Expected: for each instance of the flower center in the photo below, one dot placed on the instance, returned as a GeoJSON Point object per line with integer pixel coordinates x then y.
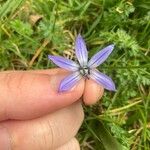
{"type": "Point", "coordinates": [84, 71]}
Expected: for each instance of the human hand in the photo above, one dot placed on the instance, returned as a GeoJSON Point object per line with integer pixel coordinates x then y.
{"type": "Point", "coordinates": [34, 116]}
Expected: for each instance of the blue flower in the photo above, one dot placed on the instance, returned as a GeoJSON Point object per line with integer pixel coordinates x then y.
{"type": "Point", "coordinates": [84, 68]}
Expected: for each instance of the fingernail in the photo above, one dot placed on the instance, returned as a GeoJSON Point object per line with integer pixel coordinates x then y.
{"type": "Point", "coordinates": [4, 139]}
{"type": "Point", "coordinates": [55, 81]}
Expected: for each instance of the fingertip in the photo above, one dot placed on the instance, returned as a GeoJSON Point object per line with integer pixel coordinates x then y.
{"type": "Point", "coordinates": [92, 92]}
{"type": "Point", "coordinates": [74, 94]}
{"type": "Point", "coordinates": [59, 99]}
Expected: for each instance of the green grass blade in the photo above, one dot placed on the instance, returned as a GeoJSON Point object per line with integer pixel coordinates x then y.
{"type": "Point", "coordinates": [9, 6]}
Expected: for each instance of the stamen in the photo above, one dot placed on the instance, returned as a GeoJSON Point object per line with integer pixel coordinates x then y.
{"type": "Point", "coordinates": [84, 71]}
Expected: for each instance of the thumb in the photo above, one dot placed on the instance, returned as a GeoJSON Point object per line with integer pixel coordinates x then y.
{"type": "Point", "coordinates": [26, 95]}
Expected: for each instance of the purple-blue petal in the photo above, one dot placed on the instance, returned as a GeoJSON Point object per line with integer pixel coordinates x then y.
{"type": "Point", "coordinates": [103, 80]}
{"type": "Point", "coordinates": [81, 50]}
{"type": "Point", "coordinates": [100, 57]}
{"type": "Point", "coordinates": [68, 82]}
{"type": "Point", "coordinates": [64, 63]}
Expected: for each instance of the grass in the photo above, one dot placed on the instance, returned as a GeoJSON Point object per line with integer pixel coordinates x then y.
{"type": "Point", "coordinates": [32, 29]}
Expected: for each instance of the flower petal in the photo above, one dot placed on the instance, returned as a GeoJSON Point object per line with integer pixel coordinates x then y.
{"type": "Point", "coordinates": [100, 57]}
{"type": "Point", "coordinates": [81, 50]}
{"type": "Point", "coordinates": [68, 82]}
{"type": "Point", "coordinates": [64, 62]}
{"type": "Point", "coordinates": [103, 80]}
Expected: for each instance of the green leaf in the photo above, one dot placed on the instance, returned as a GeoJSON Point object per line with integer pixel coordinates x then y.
{"type": "Point", "coordinates": [102, 135]}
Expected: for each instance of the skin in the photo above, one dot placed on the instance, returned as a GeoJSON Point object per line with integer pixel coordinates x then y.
{"type": "Point", "coordinates": [34, 116]}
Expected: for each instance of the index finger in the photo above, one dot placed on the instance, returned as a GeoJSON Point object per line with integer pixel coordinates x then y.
{"type": "Point", "coordinates": [26, 95]}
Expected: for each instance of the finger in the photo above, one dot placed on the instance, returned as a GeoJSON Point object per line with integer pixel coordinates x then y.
{"type": "Point", "coordinates": [26, 95]}
{"type": "Point", "coordinates": [45, 133]}
{"type": "Point", "coordinates": [92, 92]}
{"type": "Point", "coordinates": [73, 144]}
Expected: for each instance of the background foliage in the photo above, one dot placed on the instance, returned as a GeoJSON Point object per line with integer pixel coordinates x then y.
{"type": "Point", "coordinates": [32, 29]}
